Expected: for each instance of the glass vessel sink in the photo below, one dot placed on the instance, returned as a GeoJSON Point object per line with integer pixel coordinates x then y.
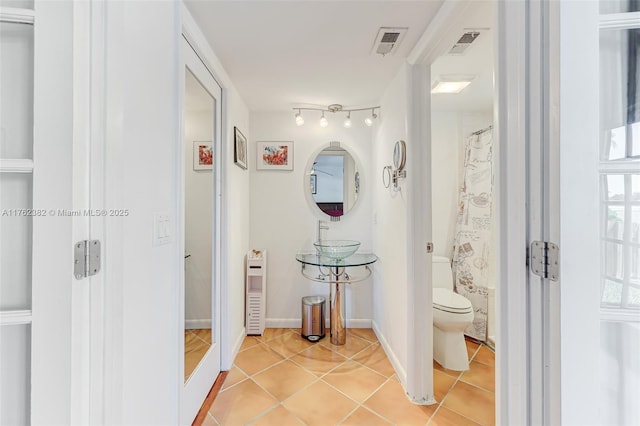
{"type": "Point", "coordinates": [336, 249]}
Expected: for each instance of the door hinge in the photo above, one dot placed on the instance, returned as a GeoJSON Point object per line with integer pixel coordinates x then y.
{"type": "Point", "coordinates": [86, 258]}
{"type": "Point", "coordinates": [544, 260]}
{"type": "Point", "coordinates": [429, 247]}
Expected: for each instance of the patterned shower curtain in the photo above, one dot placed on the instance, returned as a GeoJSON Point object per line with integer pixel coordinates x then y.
{"type": "Point", "coordinates": [473, 231]}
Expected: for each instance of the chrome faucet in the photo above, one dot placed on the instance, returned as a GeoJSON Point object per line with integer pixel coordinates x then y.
{"type": "Point", "coordinates": [321, 226]}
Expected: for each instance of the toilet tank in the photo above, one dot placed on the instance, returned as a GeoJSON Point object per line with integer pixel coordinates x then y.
{"type": "Point", "coordinates": [442, 275]}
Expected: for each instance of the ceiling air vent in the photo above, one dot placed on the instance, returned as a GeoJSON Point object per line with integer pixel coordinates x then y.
{"type": "Point", "coordinates": [388, 40]}
{"type": "Point", "coordinates": [464, 42]}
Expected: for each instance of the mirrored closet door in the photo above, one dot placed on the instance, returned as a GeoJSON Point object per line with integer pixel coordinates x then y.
{"type": "Point", "coordinates": [200, 153]}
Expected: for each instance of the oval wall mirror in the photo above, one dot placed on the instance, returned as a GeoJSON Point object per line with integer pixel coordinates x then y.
{"type": "Point", "coordinates": [333, 181]}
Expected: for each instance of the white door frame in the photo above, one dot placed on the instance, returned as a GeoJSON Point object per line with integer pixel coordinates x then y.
{"type": "Point", "coordinates": [512, 381]}
{"type": "Point", "coordinates": [67, 340]}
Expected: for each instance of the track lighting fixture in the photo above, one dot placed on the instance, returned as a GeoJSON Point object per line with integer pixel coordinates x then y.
{"type": "Point", "coordinates": [369, 120]}
{"type": "Point", "coordinates": [333, 108]}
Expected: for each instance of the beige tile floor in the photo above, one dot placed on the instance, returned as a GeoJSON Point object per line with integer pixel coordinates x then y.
{"type": "Point", "coordinates": [281, 379]}
{"type": "Point", "coordinates": [196, 343]}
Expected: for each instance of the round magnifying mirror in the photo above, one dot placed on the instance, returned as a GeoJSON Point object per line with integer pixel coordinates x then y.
{"type": "Point", "coordinates": [333, 181]}
{"type": "Point", "coordinates": [399, 155]}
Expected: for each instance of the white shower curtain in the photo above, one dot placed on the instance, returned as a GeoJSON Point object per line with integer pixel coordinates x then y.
{"type": "Point", "coordinates": [473, 231]}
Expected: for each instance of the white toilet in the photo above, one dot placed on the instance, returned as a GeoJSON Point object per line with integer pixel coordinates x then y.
{"type": "Point", "coordinates": [452, 314]}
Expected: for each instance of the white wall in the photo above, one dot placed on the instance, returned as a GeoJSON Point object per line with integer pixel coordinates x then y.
{"type": "Point", "coordinates": [236, 211]}
{"type": "Point", "coordinates": [390, 226]}
{"type": "Point", "coordinates": [446, 162]}
{"type": "Point", "coordinates": [142, 279]}
{"type": "Point", "coordinates": [198, 190]}
{"type": "Point", "coordinates": [449, 132]}
{"type": "Point", "coordinates": [283, 223]}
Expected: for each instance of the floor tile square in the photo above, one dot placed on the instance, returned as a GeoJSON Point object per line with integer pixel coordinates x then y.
{"type": "Point", "coordinates": [446, 417]}
{"type": "Point", "coordinates": [241, 403]}
{"type": "Point", "coordinates": [352, 346]}
{"type": "Point", "coordinates": [375, 358]}
{"type": "Point", "coordinates": [248, 342]}
{"type": "Point", "coordinates": [235, 376]}
{"type": "Point", "coordinates": [355, 380]}
{"type": "Point", "coordinates": [364, 417]}
{"type": "Point", "coordinates": [452, 373]}
{"type": "Point", "coordinates": [209, 421]}
{"type": "Point", "coordinates": [203, 333]}
{"type": "Point", "coordinates": [270, 333]}
{"type": "Point", "coordinates": [320, 404]}
{"type": "Point", "coordinates": [195, 349]}
{"type": "Point", "coordinates": [442, 384]}
{"type": "Point", "coordinates": [279, 416]}
{"type": "Point", "coordinates": [474, 403]}
{"type": "Point", "coordinates": [257, 358]}
{"type": "Point", "coordinates": [472, 347]}
{"type": "Point", "coordinates": [289, 344]}
{"type": "Point", "coordinates": [363, 333]}
{"type": "Point", "coordinates": [485, 356]}
{"type": "Point", "coordinates": [318, 359]}
{"type": "Point", "coordinates": [480, 375]}
{"type": "Point", "coordinates": [391, 403]}
{"type": "Point", "coordinates": [284, 379]}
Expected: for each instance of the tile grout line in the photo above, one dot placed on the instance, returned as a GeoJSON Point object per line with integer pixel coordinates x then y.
{"type": "Point", "coordinates": [459, 379]}
{"type": "Point", "coordinates": [374, 392]}
{"type": "Point", "coordinates": [316, 380]}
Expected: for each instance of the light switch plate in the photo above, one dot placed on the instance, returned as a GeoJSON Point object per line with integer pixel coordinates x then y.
{"type": "Point", "coordinates": [161, 229]}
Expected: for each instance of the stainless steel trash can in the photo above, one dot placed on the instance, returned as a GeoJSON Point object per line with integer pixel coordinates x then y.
{"type": "Point", "coordinates": [313, 318]}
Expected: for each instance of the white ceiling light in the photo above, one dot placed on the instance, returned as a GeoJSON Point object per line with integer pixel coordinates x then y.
{"type": "Point", "coordinates": [347, 121]}
{"type": "Point", "coordinates": [369, 120]}
{"type": "Point", "coordinates": [323, 121]}
{"type": "Point", "coordinates": [451, 84]}
{"type": "Point", "coordinates": [334, 108]}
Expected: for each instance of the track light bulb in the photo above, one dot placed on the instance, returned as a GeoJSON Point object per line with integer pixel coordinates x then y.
{"type": "Point", "coordinates": [299, 119]}
{"type": "Point", "coordinates": [369, 120]}
{"type": "Point", "coordinates": [347, 121]}
{"type": "Point", "coordinates": [323, 121]}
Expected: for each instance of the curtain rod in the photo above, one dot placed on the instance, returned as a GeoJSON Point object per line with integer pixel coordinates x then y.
{"type": "Point", "coordinates": [479, 132]}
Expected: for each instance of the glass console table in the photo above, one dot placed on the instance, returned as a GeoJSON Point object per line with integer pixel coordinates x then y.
{"type": "Point", "coordinates": [333, 271]}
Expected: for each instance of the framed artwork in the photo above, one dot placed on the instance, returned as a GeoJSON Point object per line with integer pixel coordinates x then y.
{"type": "Point", "coordinates": [313, 180]}
{"type": "Point", "coordinates": [239, 149]}
{"type": "Point", "coordinates": [203, 155]}
{"type": "Point", "coordinates": [274, 156]}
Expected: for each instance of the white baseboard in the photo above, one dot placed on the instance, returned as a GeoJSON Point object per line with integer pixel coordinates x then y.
{"type": "Point", "coordinates": [297, 323]}
{"type": "Point", "coordinates": [236, 347]}
{"type": "Point", "coordinates": [197, 324]}
{"type": "Point", "coordinates": [400, 371]}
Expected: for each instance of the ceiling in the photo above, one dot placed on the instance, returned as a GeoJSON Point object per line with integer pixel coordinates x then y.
{"type": "Point", "coordinates": [477, 60]}
{"type": "Point", "coordinates": [285, 54]}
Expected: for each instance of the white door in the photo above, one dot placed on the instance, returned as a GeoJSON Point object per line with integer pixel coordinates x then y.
{"type": "Point", "coordinates": [44, 187]}
{"type": "Point", "coordinates": [599, 183]}
{"type": "Point", "coordinates": [201, 232]}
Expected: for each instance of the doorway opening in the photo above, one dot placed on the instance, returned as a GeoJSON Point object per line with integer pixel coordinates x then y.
{"type": "Point", "coordinates": [464, 216]}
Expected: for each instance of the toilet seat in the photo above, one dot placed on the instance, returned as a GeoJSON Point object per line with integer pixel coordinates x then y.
{"type": "Point", "coordinates": [447, 301]}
